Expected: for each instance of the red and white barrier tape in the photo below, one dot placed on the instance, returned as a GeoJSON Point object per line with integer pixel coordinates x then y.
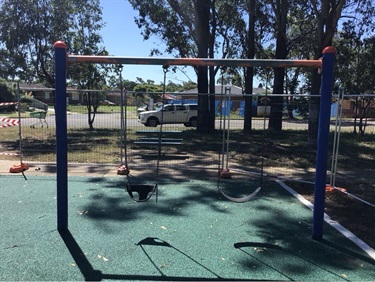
{"type": "Point", "coordinates": [9, 154]}
{"type": "Point", "coordinates": [9, 122]}
{"type": "Point", "coordinates": [8, 103]}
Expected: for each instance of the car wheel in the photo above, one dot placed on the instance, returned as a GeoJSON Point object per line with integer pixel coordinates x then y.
{"type": "Point", "coordinates": [187, 124]}
{"type": "Point", "coordinates": [153, 122]}
{"type": "Point", "coordinates": [193, 122]}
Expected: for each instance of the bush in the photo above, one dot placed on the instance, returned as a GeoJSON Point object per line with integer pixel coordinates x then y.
{"type": "Point", "coordinates": [6, 93]}
{"type": "Point", "coordinates": [27, 98]}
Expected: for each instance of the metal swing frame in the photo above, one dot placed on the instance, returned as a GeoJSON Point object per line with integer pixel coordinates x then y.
{"type": "Point", "coordinates": [326, 66]}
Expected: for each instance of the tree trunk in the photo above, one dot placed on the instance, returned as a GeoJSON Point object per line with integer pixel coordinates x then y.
{"type": "Point", "coordinates": [89, 112]}
{"type": "Point", "coordinates": [327, 18]}
{"type": "Point", "coordinates": [247, 127]}
{"type": "Point", "coordinates": [211, 97]}
{"type": "Point", "coordinates": [314, 105]}
{"type": "Point", "coordinates": [249, 81]}
{"type": "Point", "coordinates": [276, 114]}
{"type": "Point", "coordinates": [211, 101]}
{"type": "Point", "coordinates": [202, 14]}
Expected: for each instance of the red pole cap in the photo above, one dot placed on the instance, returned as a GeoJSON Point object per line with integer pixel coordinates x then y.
{"type": "Point", "coordinates": [329, 50]}
{"type": "Point", "coordinates": [59, 44]}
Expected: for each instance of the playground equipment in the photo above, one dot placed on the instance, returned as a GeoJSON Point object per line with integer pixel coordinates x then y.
{"type": "Point", "coordinates": [123, 169]}
{"type": "Point", "coordinates": [325, 64]}
{"type": "Point", "coordinates": [223, 167]}
{"type": "Point", "coordinates": [145, 191]}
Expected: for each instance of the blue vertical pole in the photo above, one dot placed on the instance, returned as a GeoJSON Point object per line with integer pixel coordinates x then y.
{"type": "Point", "coordinates": [329, 55]}
{"type": "Point", "coordinates": [61, 136]}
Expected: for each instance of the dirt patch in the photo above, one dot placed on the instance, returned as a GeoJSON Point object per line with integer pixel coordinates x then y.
{"type": "Point", "coordinates": [355, 215]}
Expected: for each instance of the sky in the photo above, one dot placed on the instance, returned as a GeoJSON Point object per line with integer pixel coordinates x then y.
{"type": "Point", "coordinates": [122, 37]}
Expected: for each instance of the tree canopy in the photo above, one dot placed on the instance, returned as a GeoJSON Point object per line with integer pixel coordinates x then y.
{"type": "Point", "coordinates": [280, 29]}
{"type": "Point", "coordinates": [270, 29]}
{"type": "Point", "coordinates": [28, 30]}
{"type": "Point", "coordinates": [6, 93]}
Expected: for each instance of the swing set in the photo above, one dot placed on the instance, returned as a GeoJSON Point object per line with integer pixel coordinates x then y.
{"type": "Point", "coordinates": [144, 191]}
{"type": "Point", "coordinates": [223, 160]}
{"type": "Point", "coordinates": [326, 65]}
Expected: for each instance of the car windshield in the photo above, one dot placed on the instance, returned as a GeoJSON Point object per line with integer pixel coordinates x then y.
{"type": "Point", "coordinates": [159, 108]}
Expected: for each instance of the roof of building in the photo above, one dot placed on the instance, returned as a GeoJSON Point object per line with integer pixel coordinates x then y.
{"type": "Point", "coordinates": [39, 87]}
{"type": "Point", "coordinates": [234, 90]}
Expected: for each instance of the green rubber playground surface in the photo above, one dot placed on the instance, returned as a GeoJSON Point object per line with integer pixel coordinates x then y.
{"type": "Point", "coordinates": [190, 233]}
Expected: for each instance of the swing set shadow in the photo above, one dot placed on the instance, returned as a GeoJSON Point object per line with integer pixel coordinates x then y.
{"type": "Point", "coordinates": [91, 274]}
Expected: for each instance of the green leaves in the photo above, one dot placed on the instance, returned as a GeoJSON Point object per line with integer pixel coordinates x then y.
{"type": "Point", "coordinates": [28, 30]}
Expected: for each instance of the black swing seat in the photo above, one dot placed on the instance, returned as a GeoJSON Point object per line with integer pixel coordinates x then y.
{"type": "Point", "coordinates": [155, 139]}
{"type": "Point", "coordinates": [163, 143]}
{"type": "Point", "coordinates": [143, 191]}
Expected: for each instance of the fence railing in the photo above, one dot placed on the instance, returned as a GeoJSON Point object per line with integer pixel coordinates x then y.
{"type": "Point", "coordinates": [286, 153]}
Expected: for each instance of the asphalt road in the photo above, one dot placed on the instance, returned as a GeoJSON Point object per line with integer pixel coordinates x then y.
{"type": "Point", "coordinates": [112, 120]}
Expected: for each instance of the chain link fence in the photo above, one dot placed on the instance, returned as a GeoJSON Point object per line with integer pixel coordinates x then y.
{"type": "Point", "coordinates": [97, 143]}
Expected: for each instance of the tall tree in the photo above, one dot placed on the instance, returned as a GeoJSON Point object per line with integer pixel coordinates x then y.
{"type": "Point", "coordinates": [354, 71]}
{"type": "Point", "coordinates": [327, 13]}
{"type": "Point", "coordinates": [280, 10]}
{"type": "Point", "coordinates": [241, 28]}
{"type": "Point", "coordinates": [184, 28]}
{"type": "Point", "coordinates": [211, 54]}
{"type": "Point", "coordinates": [92, 78]}
{"type": "Point", "coordinates": [355, 46]}
{"type": "Point", "coordinates": [249, 73]}
{"type": "Point", "coordinates": [86, 42]}
{"type": "Point", "coordinates": [28, 30]}
{"type": "Point", "coordinates": [6, 93]}
{"type": "Point", "coordinates": [206, 28]}
{"type": "Point", "coordinates": [202, 17]}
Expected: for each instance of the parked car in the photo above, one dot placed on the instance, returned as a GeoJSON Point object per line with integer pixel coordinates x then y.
{"type": "Point", "coordinates": [186, 114]}
{"type": "Point", "coordinates": [147, 107]}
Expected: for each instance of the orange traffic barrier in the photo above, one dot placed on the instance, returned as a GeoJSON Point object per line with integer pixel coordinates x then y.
{"type": "Point", "coordinates": [17, 168]}
{"type": "Point", "coordinates": [225, 174]}
{"type": "Point", "coordinates": [330, 188]}
{"type": "Point", "coordinates": [123, 170]}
